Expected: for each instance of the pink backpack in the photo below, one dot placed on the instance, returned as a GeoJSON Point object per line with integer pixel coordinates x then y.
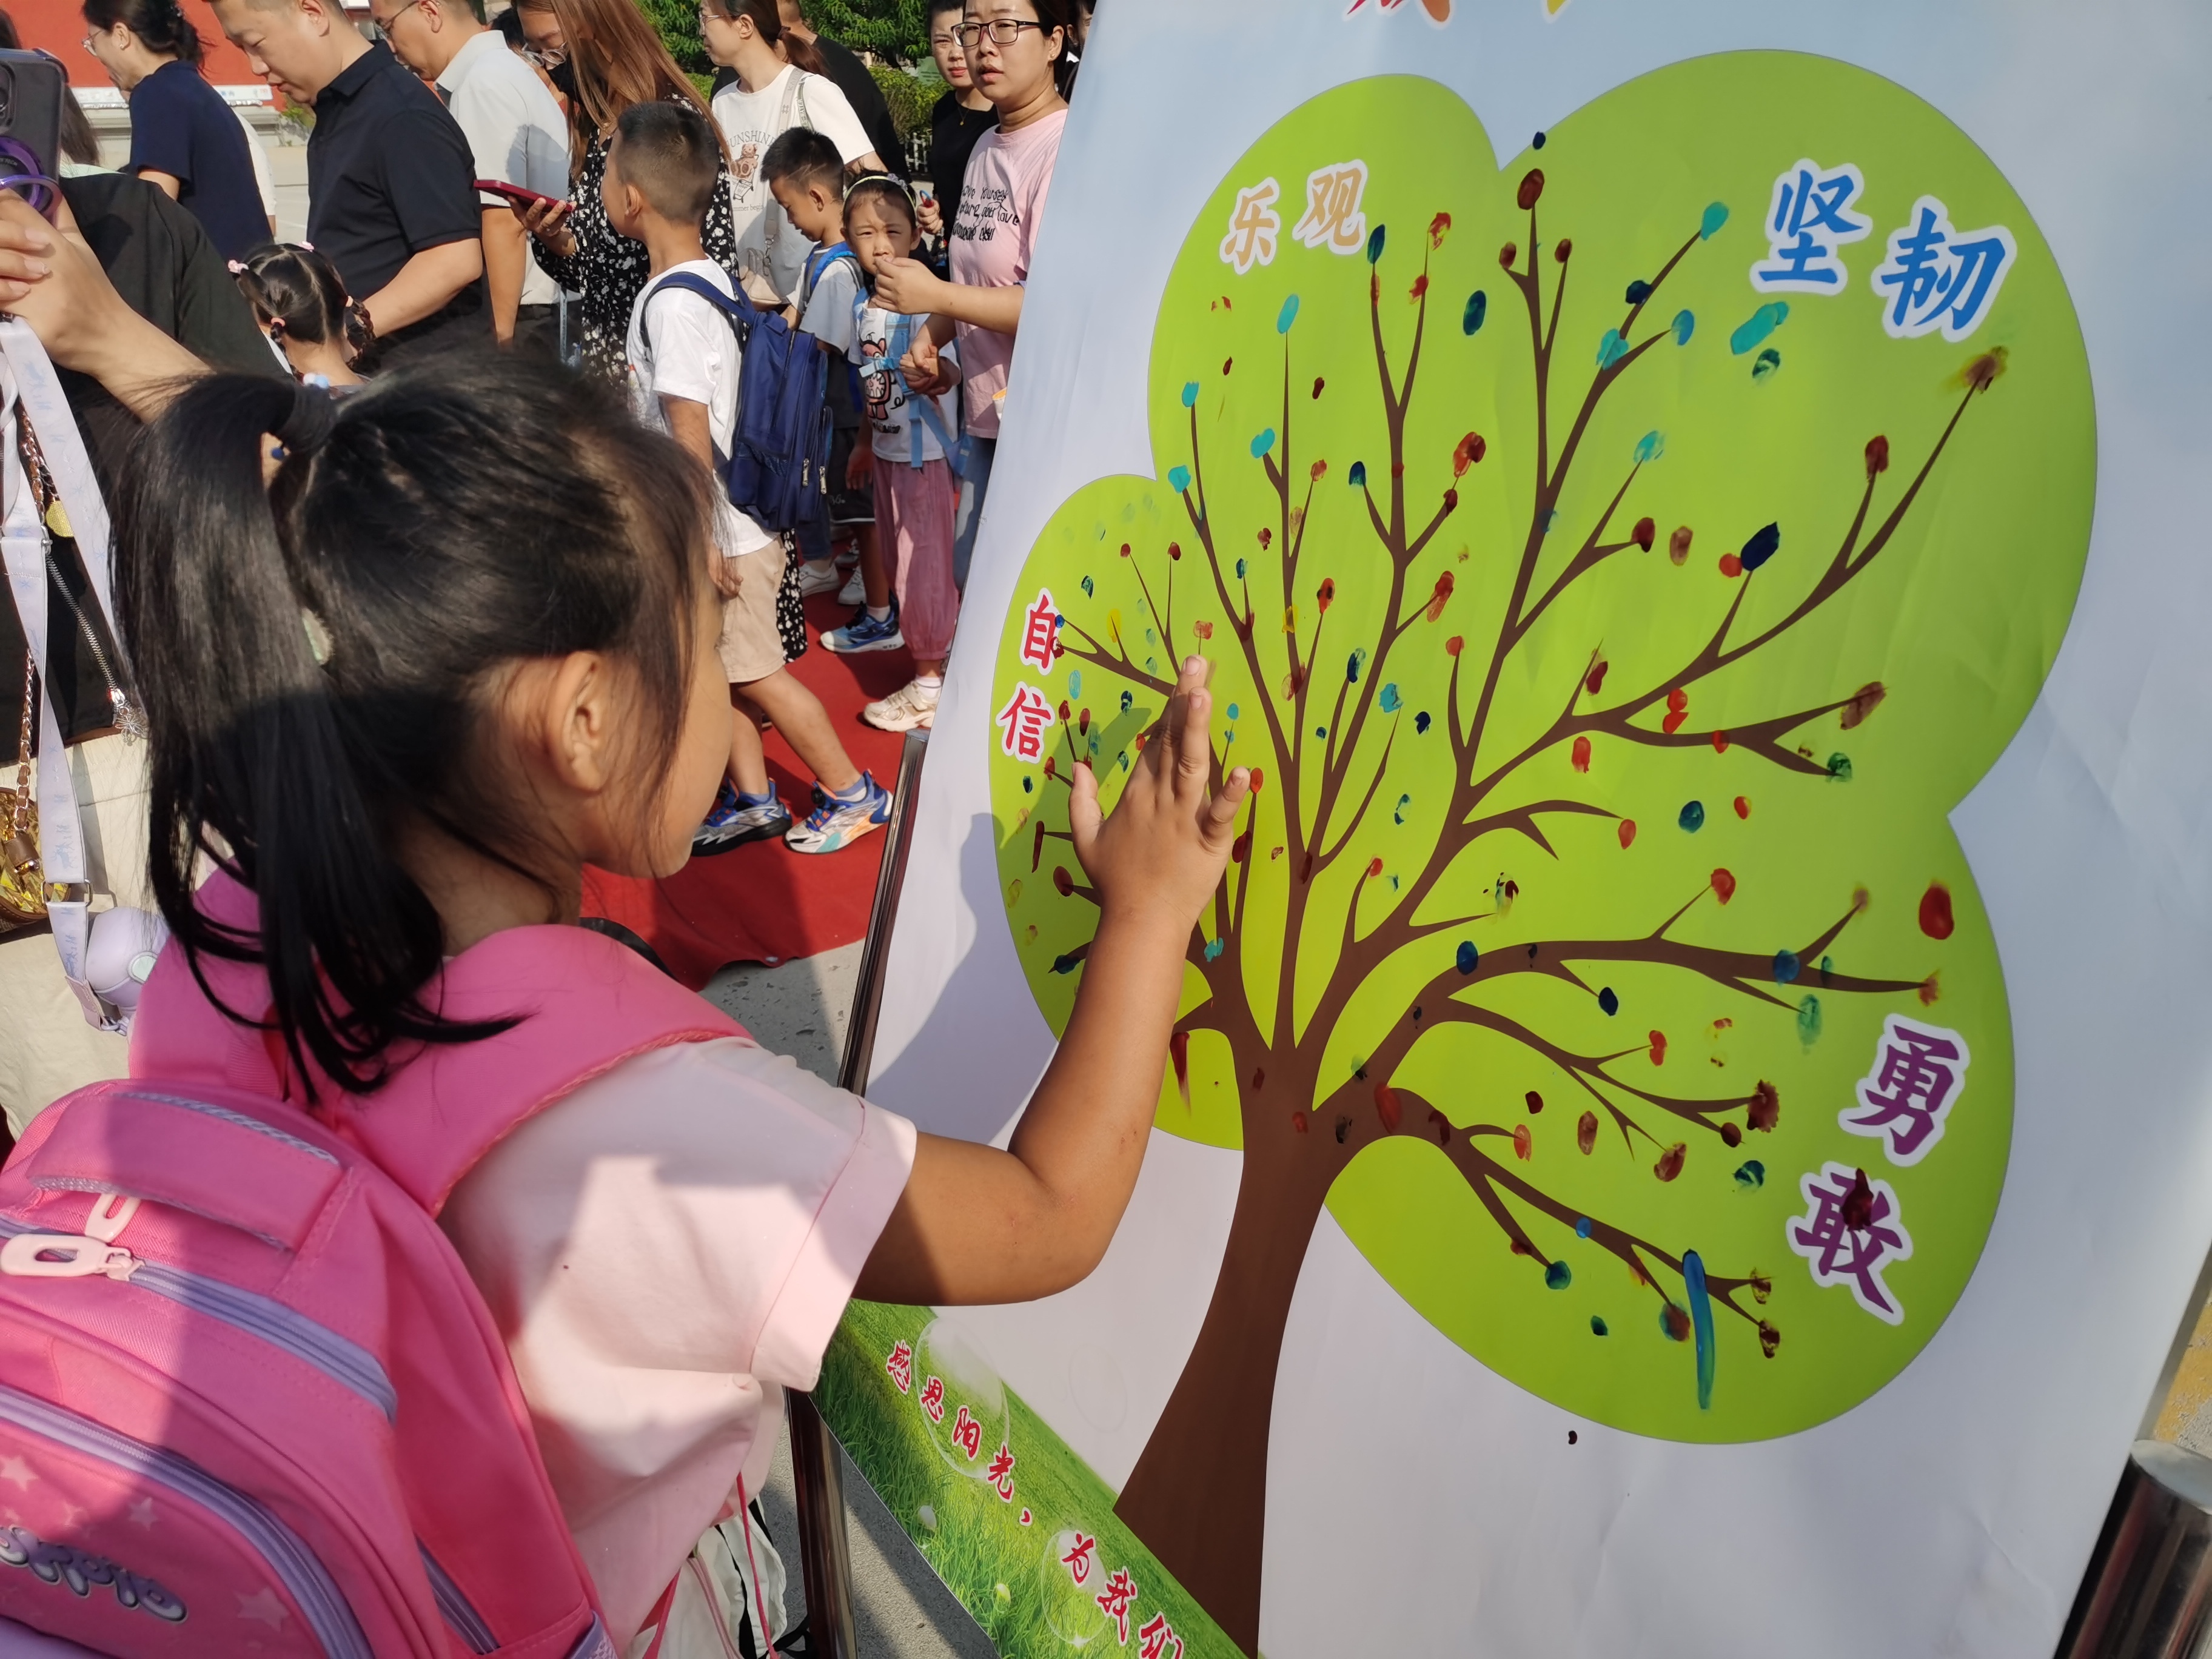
{"type": "Point", "coordinates": [250, 1401]}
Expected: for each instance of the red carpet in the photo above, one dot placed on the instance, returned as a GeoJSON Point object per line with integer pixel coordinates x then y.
{"type": "Point", "coordinates": [764, 903]}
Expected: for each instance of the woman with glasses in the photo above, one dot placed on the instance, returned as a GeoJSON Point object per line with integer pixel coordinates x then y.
{"type": "Point", "coordinates": [959, 117]}
{"type": "Point", "coordinates": [185, 140]}
{"type": "Point", "coordinates": [1016, 51]}
{"type": "Point", "coordinates": [613, 59]}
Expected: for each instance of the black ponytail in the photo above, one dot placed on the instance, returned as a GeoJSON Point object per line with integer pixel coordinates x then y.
{"type": "Point", "coordinates": [317, 657]}
{"type": "Point", "coordinates": [159, 25]}
{"type": "Point", "coordinates": [298, 294]}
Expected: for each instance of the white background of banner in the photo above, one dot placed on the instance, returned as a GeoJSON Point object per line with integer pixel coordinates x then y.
{"type": "Point", "coordinates": [1417, 1502]}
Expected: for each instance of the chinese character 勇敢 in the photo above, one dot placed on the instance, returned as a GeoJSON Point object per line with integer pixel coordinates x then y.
{"type": "Point", "coordinates": [1850, 1229]}
{"type": "Point", "coordinates": [1919, 1073]}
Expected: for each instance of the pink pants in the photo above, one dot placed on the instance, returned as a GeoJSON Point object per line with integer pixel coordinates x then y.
{"type": "Point", "coordinates": [914, 508]}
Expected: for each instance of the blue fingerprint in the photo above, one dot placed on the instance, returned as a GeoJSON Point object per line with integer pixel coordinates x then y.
{"type": "Point", "coordinates": [1686, 325]}
{"type": "Point", "coordinates": [1650, 447]}
{"type": "Point", "coordinates": [1029, 785]}
{"type": "Point", "coordinates": [1839, 768]}
{"type": "Point", "coordinates": [1404, 801]}
{"type": "Point", "coordinates": [1760, 324]}
{"type": "Point", "coordinates": [1612, 349]}
{"type": "Point", "coordinates": [1477, 307]}
{"type": "Point", "coordinates": [1178, 478]}
{"type": "Point", "coordinates": [1213, 949]}
{"type": "Point", "coordinates": [1240, 570]}
{"type": "Point", "coordinates": [1075, 682]}
{"type": "Point", "coordinates": [1607, 1003]}
{"type": "Point", "coordinates": [1808, 1021]}
{"type": "Point", "coordinates": [1764, 365]}
{"type": "Point", "coordinates": [1263, 443]}
{"type": "Point", "coordinates": [1358, 476]}
{"type": "Point", "coordinates": [1701, 1325]}
{"type": "Point", "coordinates": [1598, 1327]}
{"type": "Point", "coordinates": [1639, 292]}
{"type": "Point", "coordinates": [1715, 215]}
{"type": "Point", "coordinates": [1692, 817]}
{"type": "Point", "coordinates": [1089, 591]}
{"type": "Point", "coordinates": [1374, 245]}
{"type": "Point", "coordinates": [1558, 1276]}
{"type": "Point", "coordinates": [1233, 709]}
{"type": "Point", "coordinates": [1126, 701]}
{"type": "Point", "coordinates": [1391, 704]}
{"type": "Point", "coordinates": [1582, 1226]}
{"type": "Point", "coordinates": [1786, 967]}
{"type": "Point", "coordinates": [1751, 1174]}
{"type": "Point", "coordinates": [1765, 542]}
{"type": "Point", "coordinates": [1190, 394]}
{"type": "Point", "coordinates": [1421, 722]}
{"type": "Point", "coordinates": [1287, 315]}
{"type": "Point", "coordinates": [1068, 964]}
{"type": "Point", "coordinates": [1353, 664]}
{"type": "Point", "coordinates": [1467, 958]}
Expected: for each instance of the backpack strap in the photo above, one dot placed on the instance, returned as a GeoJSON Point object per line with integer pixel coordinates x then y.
{"type": "Point", "coordinates": [584, 1003]}
{"type": "Point", "coordinates": [740, 310]}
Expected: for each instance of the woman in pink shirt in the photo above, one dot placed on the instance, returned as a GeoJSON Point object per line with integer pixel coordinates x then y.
{"type": "Point", "coordinates": [1018, 52]}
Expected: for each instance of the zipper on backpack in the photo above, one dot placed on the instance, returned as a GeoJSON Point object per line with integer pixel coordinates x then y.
{"type": "Point", "coordinates": [281, 1551]}
{"type": "Point", "coordinates": [346, 1363]}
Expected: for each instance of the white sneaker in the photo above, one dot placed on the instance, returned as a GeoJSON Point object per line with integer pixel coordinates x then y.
{"type": "Point", "coordinates": [912, 707]}
{"type": "Point", "coordinates": [854, 591]}
{"type": "Point", "coordinates": [817, 577]}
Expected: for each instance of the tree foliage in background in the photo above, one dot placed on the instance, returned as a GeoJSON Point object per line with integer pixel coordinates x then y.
{"type": "Point", "coordinates": [910, 99]}
{"type": "Point", "coordinates": [678, 21]}
{"type": "Point", "coordinates": [897, 29]}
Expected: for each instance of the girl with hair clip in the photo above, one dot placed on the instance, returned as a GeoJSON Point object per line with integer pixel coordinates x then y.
{"type": "Point", "coordinates": [611, 58]}
{"type": "Point", "coordinates": [461, 643]}
{"type": "Point", "coordinates": [184, 138]}
{"type": "Point", "coordinates": [300, 303]}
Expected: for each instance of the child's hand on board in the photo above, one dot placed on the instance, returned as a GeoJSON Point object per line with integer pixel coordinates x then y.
{"type": "Point", "coordinates": [1165, 846]}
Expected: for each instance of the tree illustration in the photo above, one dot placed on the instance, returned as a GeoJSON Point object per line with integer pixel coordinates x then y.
{"type": "Point", "coordinates": [1579, 875]}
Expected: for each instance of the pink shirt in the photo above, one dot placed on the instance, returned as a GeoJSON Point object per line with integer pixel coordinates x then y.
{"type": "Point", "coordinates": [1001, 203]}
{"type": "Point", "coordinates": [672, 1246]}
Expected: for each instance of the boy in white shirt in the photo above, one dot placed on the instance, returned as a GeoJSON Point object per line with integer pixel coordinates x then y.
{"type": "Point", "coordinates": [683, 369]}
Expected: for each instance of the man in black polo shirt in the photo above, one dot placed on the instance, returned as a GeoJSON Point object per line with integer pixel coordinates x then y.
{"type": "Point", "coordinates": [391, 192]}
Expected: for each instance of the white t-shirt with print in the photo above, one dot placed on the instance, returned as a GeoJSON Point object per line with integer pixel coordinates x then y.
{"type": "Point", "coordinates": [901, 434]}
{"type": "Point", "coordinates": [751, 122]}
{"type": "Point", "coordinates": [681, 346]}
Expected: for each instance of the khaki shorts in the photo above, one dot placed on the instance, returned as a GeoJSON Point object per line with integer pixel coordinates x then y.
{"type": "Point", "coordinates": [751, 647]}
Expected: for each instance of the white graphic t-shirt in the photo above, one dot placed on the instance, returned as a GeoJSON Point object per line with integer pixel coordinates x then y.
{"type": "Point", "coordinates": [751, 122]}
{"type": "Point", "coordinates": [904, 433]}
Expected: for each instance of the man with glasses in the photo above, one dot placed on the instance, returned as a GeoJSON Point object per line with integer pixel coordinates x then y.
{"type": "Point", "coordinates": [516, 134]}
{"type": "Point", "coordinates": [391, 197]}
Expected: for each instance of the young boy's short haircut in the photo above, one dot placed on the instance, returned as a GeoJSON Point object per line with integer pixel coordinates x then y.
{"type": "Point", "coordinates": [884, 187]}
{"type": "Point", "coordinates": [806, 158]}
{"type": "Point", "coordinates": [670, 152]}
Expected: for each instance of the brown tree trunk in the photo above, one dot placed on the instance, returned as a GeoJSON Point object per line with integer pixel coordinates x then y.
{"type": "Point", "coordinates": [1198, 1498]}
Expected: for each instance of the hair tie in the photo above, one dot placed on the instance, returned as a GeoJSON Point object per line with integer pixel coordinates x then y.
{"type": "Point", "coordinates": [237, 267]}
{"type": "Point", "coordinates": [319, 636]}
{"type": "Point", "coordinates": [301, 432]}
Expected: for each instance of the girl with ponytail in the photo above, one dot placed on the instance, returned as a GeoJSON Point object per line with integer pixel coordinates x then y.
{"type": "Point", "coordinates": [183, 137]}
{"type": "Point", "coordinates": [300, 302]}
{"type": "Point", "coordinates": [410, 658]}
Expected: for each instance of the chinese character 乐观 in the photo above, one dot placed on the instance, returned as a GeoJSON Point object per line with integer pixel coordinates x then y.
{"type": "Point", "coordinates": [1254, 225]}
{"type": "Point", "coordinates": [1936, 276]}
{"type": "Point", "coordinates": [1024, 718]}
{"type": "Point", "coordinates": [1333, 218]}
{"type": "Point", "coordinates": [1919, 1071]}
{"type": "Point", "coordinates": [1811, 218]}
{"type": "Point", "coordinates": [932, 1399]}
{"type": "Point", "coordinates": [1115, 1600]}
{"type": "Point", "coordinates": [1850, 1229]}
{"type": "Point", "coordinates": [900, 1365]}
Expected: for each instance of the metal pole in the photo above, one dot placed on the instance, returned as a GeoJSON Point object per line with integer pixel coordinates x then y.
{"type": "Point", "coordinates": [825, 1554]}
{"type": "Point", "coordinates": [2148, 1593]}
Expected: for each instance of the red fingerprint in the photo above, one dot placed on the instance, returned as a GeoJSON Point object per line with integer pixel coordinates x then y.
{"type": "Point", "coordinates": [1723, 885]}
{"type": "Point", "coordinates": [1742, 807]}
{"type": "Point", "coordinates": [1935, 918]}
{"type": "Point", "coordinates": [1524, 1144]}
{"type": "Point", "coordinates": [1386, 1107]}
{"type": "Point", "coordinates": [1582, 754]}
{"type": "Point", "coordinates": [1627, 833]}
{"type": "Point", "coordinates": [1658, 1047]}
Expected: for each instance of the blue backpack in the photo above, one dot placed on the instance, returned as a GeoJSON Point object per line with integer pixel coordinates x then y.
{"type": "Point", "coordinates": [776, 471]}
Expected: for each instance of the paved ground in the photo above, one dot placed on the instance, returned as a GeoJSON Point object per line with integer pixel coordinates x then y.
{"type": "Point", "coordinates": [900, 1607]}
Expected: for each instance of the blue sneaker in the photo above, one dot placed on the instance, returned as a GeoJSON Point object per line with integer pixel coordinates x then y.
{"type": "Point", "coordinates": [838, 821]}
{"type": "Point", "coordinates": [865, 633]}
{"type": "Point", "coordinates": [737, 818]}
